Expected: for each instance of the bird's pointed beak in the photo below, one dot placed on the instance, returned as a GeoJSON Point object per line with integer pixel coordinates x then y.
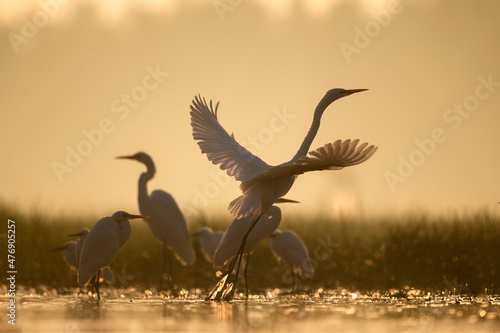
{"type": "Point", "coordinates": [79, 234]}
{"type": "Point", "coordinates": [59, 248]}
{"type": "Point", "coordinates": [131, 157]}
{"type": "Point", "coordinates": [132, 216]}
{"type": "Point", "coordinates": [352, 91]}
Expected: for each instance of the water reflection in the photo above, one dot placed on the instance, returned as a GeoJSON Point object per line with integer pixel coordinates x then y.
{"type": "Point", "coordinates": [139, 312]}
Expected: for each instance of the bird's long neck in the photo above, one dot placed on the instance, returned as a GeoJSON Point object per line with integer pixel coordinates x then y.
{"type": "Point", "coordinates": [313, 130]}
{"type": "Point", "coordinates": [125, 231]}
{"type": "Point", "coordinates": [143, 185]}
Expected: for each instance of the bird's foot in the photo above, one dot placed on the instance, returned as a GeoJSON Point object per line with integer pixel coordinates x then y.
{"type": "Point", "coordinates": [223, 290]}
{"type": "Point", "coordinates": [228, 293]}
{"type": "Point", "coordinates": [170, 286]}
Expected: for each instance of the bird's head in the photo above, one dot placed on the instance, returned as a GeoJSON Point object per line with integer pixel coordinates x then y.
{"type": "Point", "coordinates": [332, 95]}
{"type": "Point", "coordinates": [275, 233]}
{"type": "Point", "coordinates": [140, 157]}
{"type": "Point", "coordinates": [81, 233]}
{"type": "Point", "coordinates": [121, 216]}
{"type": "Point", "coordinates": [70, 244]}
{"type": "Point", "coordinates": [203, 231]}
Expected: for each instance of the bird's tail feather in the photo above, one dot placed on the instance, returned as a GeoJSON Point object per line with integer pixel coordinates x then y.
{"type": "Point", "coordinates": [245, 205]}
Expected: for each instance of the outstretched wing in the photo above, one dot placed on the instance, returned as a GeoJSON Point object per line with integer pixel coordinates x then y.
{"type": "Point", "coordinates": [332, 156]}
{"type": "Point", "coordinates": [220, 147]}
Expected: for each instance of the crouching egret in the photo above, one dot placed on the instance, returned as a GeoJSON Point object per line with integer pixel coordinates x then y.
{"type": "Point", "coordinates": [167, 223]}
{"type": "Point", "coordinates": [104, 240]}
{"type": "Point", "coordinates": [262, 184]}
{"type": "Point", "coordinates": [290, 250]}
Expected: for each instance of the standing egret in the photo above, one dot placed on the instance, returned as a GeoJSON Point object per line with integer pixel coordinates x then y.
{"type": "Point", "coordinates": [107, 236]}
{"type": "Point", "coordinates": [166, 220]}
{"type": "Point", "coordinates": [262, 184]}
{"type": "Point", "coordinates": [69, 254]}
{"type": "Point", "coordinates": [290, 250]}
{"type": "Point", "coordinates": [82, 235]}
{"type": "Point", "coordinates": [209, 240]}
{"type": "Point", "coordinates": [106, 273]}
{"type": "Point", "coordinates": [230, 243]}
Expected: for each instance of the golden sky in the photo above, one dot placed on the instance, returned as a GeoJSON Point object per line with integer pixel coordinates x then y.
{"type": "Point", "coordinates": [86, 81]}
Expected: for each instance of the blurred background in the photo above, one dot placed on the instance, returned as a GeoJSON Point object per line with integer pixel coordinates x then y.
{"type": "Point", "coordinates": [86, 81]}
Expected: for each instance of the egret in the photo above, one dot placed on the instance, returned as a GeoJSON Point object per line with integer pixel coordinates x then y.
{"type": "Point", "coordinates": [209, 240]}
{"type": "Point", "coordinates": [262, 184]}
{"type": "Point", "coordinates": [290, 250]}
{"type": "Point", "coordinates": [104, 240]}
{"type": "Point", "coordinates": [230, 243]}
{"type": "Point", "coordinates": [166, 221]}
{"type": "Point", "coordinates": [69, 254]}
{"type": "Point", "coordinates": [82, 235]}
{"type": "Point", "coordinates": [106, 273]}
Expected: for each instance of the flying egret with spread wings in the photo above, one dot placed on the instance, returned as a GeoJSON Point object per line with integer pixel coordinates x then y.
{"type": "Point", "coordinates": [104, 240]}
{"type": "Point", "coordinates": [167, 223]}
{"type": "Point", "coordinates": [262, 184]}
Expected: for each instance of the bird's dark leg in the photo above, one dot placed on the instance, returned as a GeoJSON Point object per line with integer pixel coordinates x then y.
{"type": "Point", "coordinates": [295, 280]}
{"type": "Point", "coordinates": [96, 284]}
{"type": "Point", "coordinates": [169, 278]}
{"type": "Point", "coordinates": [91, 286]}
{"type": "Point", "coordinates": [163, 261]}
{"type": "Point", "coordinates": [245, 274]}
{"type": "Point", "coordinates": [170, 269]}
{"type": "Point", "coordinates": [224, 290]}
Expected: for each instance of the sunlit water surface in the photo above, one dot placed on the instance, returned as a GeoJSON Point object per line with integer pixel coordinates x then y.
{"type": "Point", "coordinates": [323, 311]}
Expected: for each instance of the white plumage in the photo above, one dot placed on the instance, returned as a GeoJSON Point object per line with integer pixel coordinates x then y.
{"type": "Point", "coordinates": [106, 273]}
{"type": "Point", "coordinates": [209, 240]}
{"type": "Point", "coordinates": [261, 184]}
{"type": "Point", "coordinates": [167, 223]}
{"type": "Point", "coordinates": [230, 243]}
{"type": "Point", "coordinates": [290, 250]}
{"type": "Point", "coordinates": [104, 240]}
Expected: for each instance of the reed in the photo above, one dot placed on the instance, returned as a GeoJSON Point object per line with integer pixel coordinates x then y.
{"type": "Point", "coordinates": [453, 254]}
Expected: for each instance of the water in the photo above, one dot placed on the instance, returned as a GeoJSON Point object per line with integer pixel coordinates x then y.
{"type": "Point", "coordinates": [133, 311]}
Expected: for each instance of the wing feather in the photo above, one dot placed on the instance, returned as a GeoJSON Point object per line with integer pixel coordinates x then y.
{"type": "Point", "coordinates": [220, 147]}
{"type": "Point", "coordinates": [332, 156]}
